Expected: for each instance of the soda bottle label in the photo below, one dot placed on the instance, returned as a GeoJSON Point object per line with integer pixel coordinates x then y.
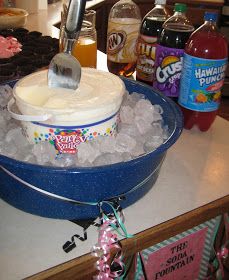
{"type": "Point", "coordinates": [146, 49]}
{"type": "Point", "coordinates": [168, 66]}
{"type": "Point", "coordinates": [201, 83]}
{"type": "Point", "coordinates": [121, 40]}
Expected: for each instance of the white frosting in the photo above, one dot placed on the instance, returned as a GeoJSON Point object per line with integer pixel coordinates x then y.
{"type": "Point", "coordinates": [99, 94]}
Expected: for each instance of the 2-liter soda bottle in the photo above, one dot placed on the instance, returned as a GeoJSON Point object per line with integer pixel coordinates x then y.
{"type": "Point", "coordinates": [205, 62]}
{"type": "Point", "coordinates": [169, 52]}
{"type": "Point", "coordinates": [123, 29]}
{"type": "Point", "coordinates": [147, 41]}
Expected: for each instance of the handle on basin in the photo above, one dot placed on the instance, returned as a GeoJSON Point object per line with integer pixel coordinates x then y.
{"type": "Point", "coordinates": [26, 118]}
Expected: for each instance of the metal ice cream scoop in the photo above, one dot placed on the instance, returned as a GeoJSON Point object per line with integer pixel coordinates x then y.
{"type": "Point", "coordinates": [64, 69]}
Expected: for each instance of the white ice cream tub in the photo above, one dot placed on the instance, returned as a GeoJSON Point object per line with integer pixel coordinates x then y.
{"type": "Point", "coordinates": [65, 117]}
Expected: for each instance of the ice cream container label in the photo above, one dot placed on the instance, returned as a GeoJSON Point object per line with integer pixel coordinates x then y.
{"type": "Point", "coordinates": [66, 139]}
{"type": "Point", "coordinates": [168, 66]}
{"type": "Point", "coordinates": [201, 83]}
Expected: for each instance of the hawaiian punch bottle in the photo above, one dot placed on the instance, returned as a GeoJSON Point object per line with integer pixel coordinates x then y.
{"type": "Point", "coordinates": [205, 62]}
{"type": "Point", "coordinates": [169, 53]}
{"type": "Point", "coordinates": [146, 47]}
{"type": "Point", "coordinates": [123, 29]}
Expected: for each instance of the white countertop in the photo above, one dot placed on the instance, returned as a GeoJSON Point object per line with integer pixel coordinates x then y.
{"type": "Point", "coordinates": [194, 173]}
{"type": "Point", "coordinates": [44, 20]}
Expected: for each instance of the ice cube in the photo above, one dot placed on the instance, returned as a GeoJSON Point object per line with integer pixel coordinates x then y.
{"type": "Point", "coordinates": [124, 143]}
{"type": "Point", "coordinates": [143, 125]}
{"type": "Point", "coordinates": [137, 150]}
{"type": "Point", "coordinates": [107, 158]}
{"type": "Point", "coordinates": [2, 120]}
{"type": "Point", "coordinates": [165, 132]}
{"type": "Point", "coordinates": [5, 95]}
{"type": "Point", "coordinates": [145, 110]}
{"type": "Point", "coordinates": [64, 160]}
{"type": "Point", "coordinates": [23, 155]}
{"type": "Point", "coordinates": [130, 129]}
{"type": "Point", "coordinates": [158, 109]}
{"type": "Point", "coordinates": [107, 144]}
{"type": "Point", "coordinates": [2, 132]}
{"type": "Point", "coordinates": [126, 156]}
{"type": "Point", "coordinates": [126, 114]}
{"type": "Point", "coordinates": [88, 151]}
{"type": "Point", "coordinates": [44, 152]}
{"type": "Point", "coordinates": [152, 143]}
{"type": "Point", "coordinates": [157, 117]}
{"type": "Point", "coordinates": [132, 99]}
{"type": "Point", "coordinates": [30, 158]}
{"type": "Point", "coordinates": [15, 135]}
{"type": "Point", "coordinates": [6, 115]}
{"type": "Point", "coordinates": [9, 149]}
{"type": "Point", "coordinates": [156, 129]}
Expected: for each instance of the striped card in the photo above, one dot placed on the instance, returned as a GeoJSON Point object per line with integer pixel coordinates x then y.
{"type": "Point", "coordinates": [184, 256]}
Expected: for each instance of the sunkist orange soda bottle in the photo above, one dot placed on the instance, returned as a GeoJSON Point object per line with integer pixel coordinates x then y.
{"type": "Point", "coordinates": [204, 65]}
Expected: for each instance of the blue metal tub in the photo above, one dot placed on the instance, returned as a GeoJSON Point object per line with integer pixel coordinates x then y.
{"type": "Point", "coordinates": [75, 193]}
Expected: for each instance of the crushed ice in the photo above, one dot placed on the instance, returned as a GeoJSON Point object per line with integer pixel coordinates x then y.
{"type": "Point", "coordinates": [141, 130]}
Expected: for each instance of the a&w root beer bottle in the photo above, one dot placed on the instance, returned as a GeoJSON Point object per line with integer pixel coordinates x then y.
{"type": "Point", "coordinates": [123, 29]}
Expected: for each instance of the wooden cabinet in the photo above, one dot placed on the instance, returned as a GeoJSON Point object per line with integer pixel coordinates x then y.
{"type": "Point", "coordinates": [196, 9]}
{"type": "Point", "coordinates": [84, 268]}
{"type": "Point", "coordinates": [195, 13]}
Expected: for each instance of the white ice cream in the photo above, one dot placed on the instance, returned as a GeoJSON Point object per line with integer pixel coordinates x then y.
{"type": "Point", "coordinates": [99, 95]}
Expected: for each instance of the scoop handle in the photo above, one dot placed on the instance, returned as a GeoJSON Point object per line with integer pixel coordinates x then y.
{"type": "Point", "coordinates": [74, 19]}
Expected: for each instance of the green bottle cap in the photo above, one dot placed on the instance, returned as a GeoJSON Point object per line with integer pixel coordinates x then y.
{"type": "Point", "coordinates": [179, 7]}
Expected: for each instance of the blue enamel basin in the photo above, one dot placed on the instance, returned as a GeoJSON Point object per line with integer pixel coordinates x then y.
{"type": "Point", "coordinates": [53, 192]}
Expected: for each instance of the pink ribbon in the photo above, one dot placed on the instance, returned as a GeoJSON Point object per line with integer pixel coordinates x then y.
{"type": "Point", "coordinates": [108, 241]}
{"type": "Point", "coordinates": [223, 252]}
